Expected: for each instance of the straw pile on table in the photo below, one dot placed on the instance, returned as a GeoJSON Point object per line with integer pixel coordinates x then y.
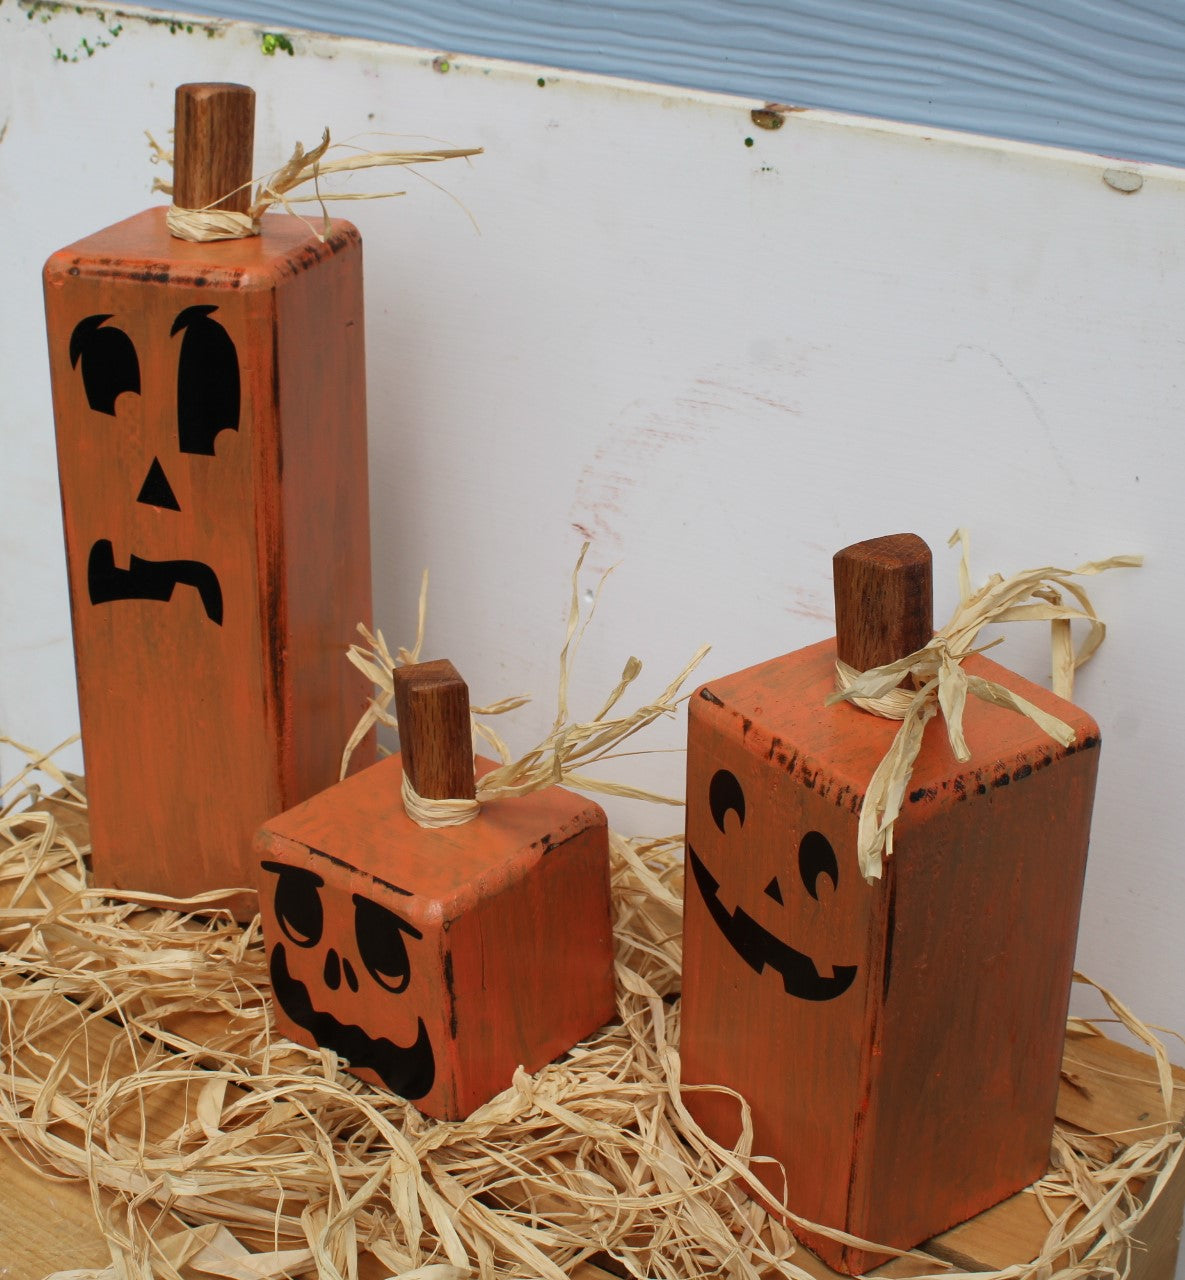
{"type": "Point", "coordinates": [138, 1055]}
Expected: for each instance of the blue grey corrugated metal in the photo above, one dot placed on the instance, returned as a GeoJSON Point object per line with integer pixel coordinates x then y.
{"type": "Point", "coordinates": [1099, 75]}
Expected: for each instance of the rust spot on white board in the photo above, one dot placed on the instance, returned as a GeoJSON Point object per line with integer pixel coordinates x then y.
{"type": "Point", "coordinates": [772, 115]}
{"type": "Point", "coordinates": [1125, 181]}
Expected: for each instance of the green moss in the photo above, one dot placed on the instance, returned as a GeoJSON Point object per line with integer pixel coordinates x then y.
{"type": "Point", "coordinates": [43, 10]}
{"type": "Point", "coordinates": [84, 49]}
{"type": "Point", "coordinates": [273, 40]}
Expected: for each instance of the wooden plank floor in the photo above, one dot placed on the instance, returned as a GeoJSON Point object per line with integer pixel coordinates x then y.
{"type": "Point", "coordinates": [48, 1224]}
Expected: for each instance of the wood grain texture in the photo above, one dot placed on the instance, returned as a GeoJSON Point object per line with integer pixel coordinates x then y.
{"type": "Point", "coordinates": [505, 953]}
{"type": "Point", "coordinates": [213, 140]}
{"type": "Point", "coordinates": [884, 599]}
{"type": "Point", "coordinates": [435, 738]}
{"type": "Point", "coordinates": [935, 995]}
{"type": "Point", "coordinates": [1066, 72]}
{"type": "Point", "coordinates": [217, 534]}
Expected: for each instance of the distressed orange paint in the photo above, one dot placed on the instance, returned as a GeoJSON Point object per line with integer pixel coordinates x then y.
{"type": "Point", "coordinates": [903, 1063]}
{"type": "Point", "coordinates": [217, 568]}
{"type": "Point", "coordinates": [438, 961]}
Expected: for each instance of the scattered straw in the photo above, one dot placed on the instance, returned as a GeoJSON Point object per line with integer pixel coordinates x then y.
{"type": "Point", "coordinates": [376, 662]}
{"type": "Point", "coordinates": [941, 684]}
{"type": "Point", "coordinates": [566, 750]}
{"type": "Point", "coordinates": [277, 188]}
{"type": "Point", "coordinates": [138, 1056]}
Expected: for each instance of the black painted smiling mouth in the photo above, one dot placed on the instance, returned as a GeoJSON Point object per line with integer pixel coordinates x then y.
{"type": "Point", "coordinates": [757, 947]}
{"type": "Point", "coordinates": [409, 1072]}
{"type": "Point", "coordinates": [150, 579]}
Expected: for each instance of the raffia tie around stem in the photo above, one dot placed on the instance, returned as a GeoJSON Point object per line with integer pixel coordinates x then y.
{"type": "Point", "coordinates": [941, 684]}
{"type": "Point", "coordinates": [302, 167]}
{"type": "Point", "coordinates": [428, 812]}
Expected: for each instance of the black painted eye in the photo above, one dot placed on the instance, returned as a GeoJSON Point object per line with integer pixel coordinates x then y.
{"type": "Point", "coordinates": [724, 793]}
{"type": "Point", "coordinates": [207, 381]}
{"type": "Point", "coordinates": [817, 858]}
{"type": "Point", "coordinates": [381, 946]}
{"type": "Point", "coordinates": [109, 363]}
{"type": "Point", "coordinates": [298, 903]}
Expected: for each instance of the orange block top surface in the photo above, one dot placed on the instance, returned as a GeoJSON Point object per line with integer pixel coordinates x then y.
{"type": "Point", "coordinates": [839, 747]}
{"type": "Point", "coordinates": [446, 871]}
{"type": "Point", "coordinates": [141, 248]}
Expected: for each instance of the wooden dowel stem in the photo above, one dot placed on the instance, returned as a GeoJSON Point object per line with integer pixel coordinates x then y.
{"type": "Point", "coordinates": [213, 141]}
{"type": "Point", "coordinates": [884, 600]}
{"type": "Point", "coordinates": [435, 738]}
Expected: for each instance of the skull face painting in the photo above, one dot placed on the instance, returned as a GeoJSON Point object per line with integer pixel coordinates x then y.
{"type": "Point", "coordinates": [362, 968]}
{"type": "Point", "coordinates": [437, 963]}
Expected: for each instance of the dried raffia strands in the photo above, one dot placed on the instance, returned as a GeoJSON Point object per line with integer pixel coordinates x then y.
{"type": "Point", "coordinates": [138, 1056]}
{"type": "Point", "coordinates": [941, 684]}
{"type": "Point", "coordinates": [376, 662]}
{"type": "Point", "coordinates": [566, 749]}
{"type": "Point", "coordinates": [277, 188]}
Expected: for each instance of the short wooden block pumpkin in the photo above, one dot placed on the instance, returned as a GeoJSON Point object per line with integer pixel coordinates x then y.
{"type": "Point", "coordinates": [211, 429]}
{"type": "Point", "coordinates": [436, 962]}
{"type": "Point", "coordinates": [899, 1042]}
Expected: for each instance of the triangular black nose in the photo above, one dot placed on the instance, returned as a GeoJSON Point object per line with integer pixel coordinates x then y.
{"type": "Point", "coordinates": [156, 490]}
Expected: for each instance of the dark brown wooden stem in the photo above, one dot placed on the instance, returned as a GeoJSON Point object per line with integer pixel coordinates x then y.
{"type": "Point", "coordinates": [213, 140]}
{"type": "Point", "coordinates": [884, 600]}
{"type": "Point", "coordinates": [432, 707]}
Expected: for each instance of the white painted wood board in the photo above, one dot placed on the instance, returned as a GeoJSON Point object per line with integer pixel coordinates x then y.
{"type": "Point", "coordinates": [720, 362]}
{"type": "Point", "coordinates": [1074, 73]}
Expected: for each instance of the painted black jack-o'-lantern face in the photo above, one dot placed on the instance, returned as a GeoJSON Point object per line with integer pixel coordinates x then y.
{"type": "Point", "coordinates": [755, 945]}
{"type": "Point", "coordinates": [208, 395]}
{"type": "Point", "coordinates": [382, 969]}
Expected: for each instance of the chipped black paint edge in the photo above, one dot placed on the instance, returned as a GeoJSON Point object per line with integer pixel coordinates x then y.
{"type": "Point", "coordinates": [994, 777]}
{"type": "Point", "coordinates": [890, 935]}
{"type": "Point", "coordinates": [159, 273]}
{"type": "Point", "coordinates": [269, 533]}
{"type": "Point", "coordinates": [450, 987]}
{"type": "Point", "coordinates": [347, 866]}
{"type": "Point", "coordinates": [549, 844]}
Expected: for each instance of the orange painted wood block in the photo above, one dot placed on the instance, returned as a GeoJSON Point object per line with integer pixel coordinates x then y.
{"type": "Point", "coordinates": [899, 1042]}
{"type": "Point", "coordinates": [438, 961]}
{"type": "Point", "coordinates": [211, 429]}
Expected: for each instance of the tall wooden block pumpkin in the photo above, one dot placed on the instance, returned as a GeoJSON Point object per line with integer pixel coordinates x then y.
{"type": "Point", "coordinates": [899, 1041]}
{"type": "Point", "coordinates": [437, 961]}
{"type": "Point", "coordinates": [210, 409]}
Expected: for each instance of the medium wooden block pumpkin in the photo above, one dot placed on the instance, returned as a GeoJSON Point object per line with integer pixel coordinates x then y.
{"type": "Point", "coordinates": [438, 961]}
{"type": "Point", "coordinates": [899, 1041]}
{"type": "Point", "coordinates": [210, 410]}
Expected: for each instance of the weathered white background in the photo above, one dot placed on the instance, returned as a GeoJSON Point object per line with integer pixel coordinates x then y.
{"type": "Point", "coordinates": [719, 362]}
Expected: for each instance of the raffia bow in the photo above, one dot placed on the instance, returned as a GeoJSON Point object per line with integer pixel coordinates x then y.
{"type": "Point", "coordinates": [941, 684]}
{"type": "Point", "coordinates": [301, 168]}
